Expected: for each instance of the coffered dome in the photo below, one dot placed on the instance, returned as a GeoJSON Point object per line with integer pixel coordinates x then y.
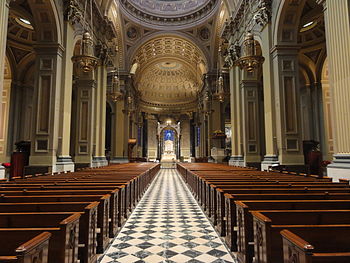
{"type": "Point", "coordinates": [169, 73]}
{"type": "Point", "coordinates": [175, 83]}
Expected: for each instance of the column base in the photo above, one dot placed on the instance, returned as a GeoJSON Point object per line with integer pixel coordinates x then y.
{"type": "Point", "coordinates": [340, 168]}
{"type": "Point", "coordinates": [99, 161]}
{"type": "Point", "coordinates": [269, 161]}
{"type": "Point", "coordinates": [64, 164]}
{"type": "Point", "coordinates": [236, 161]}
{"type": "Point", "coordinates": [119, 160]}
{"type": "Point", "coordinates": [2, 172]}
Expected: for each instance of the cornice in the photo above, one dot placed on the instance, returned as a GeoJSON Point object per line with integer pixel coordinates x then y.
{"type": "Point", "coordinates": [164, 20]}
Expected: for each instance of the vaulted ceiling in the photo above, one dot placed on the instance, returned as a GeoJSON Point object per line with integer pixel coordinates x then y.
{"type": "Point", "coordinates": [170, 70]}
{"type": "Point", "coordinates": [173, 43]}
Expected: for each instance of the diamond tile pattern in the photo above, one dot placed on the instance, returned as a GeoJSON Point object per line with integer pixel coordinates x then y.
{"type": "Point", "coordinates": [167, 226]}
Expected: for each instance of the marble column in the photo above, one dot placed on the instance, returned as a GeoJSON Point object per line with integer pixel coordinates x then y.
{"type": "Point", "coordinates": [337, 24]}
{"type": "Point", "coordinates": [64, 160]}
{"type": "Point", "coordinates": [216, 122]}
{"type": "Point", "coordinates": [84, 149]}
{"type": "Point", "coordinates": [185, 140]}
{"type": "Point", "coordinates": [99, 158]}
{"type": "Point", "coordinates": [217, 150]}
{"type": "Point", "coordinates": [328, 137]}
{"type": "Point", "coordinates": [202, 139]}
{"type": "Point", "coordinates": [46, 104]}
{"type": "Point", "coordinates": [4, 12]}
{"type": "Point", "coordinates": [152, 147]}
{"type": "Point", "coordinates": [4, 116]}
{"type": "Point", "coordinates": [251, 120]}
{"type": "Point", "coordinates": [237, 156]}
{"type": "Point", "coordinates": [287, 105]}
{"type": "Point", "coordinates": [270, 157]}
{"type": "Point", "coordinates": [119, 134]}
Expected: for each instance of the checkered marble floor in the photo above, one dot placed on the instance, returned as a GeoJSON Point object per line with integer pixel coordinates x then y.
{"type": "Point", "coordinates": [167, 226]}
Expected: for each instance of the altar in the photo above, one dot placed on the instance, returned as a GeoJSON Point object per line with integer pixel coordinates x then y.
{"type": "Point", "coordinates": [169, 151]}
{"type": "Point", "coordinates": [169, 142]}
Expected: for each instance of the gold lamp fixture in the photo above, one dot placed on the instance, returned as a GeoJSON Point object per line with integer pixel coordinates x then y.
{"type": "Point", "coordinates": [86, 59]}
{"type": "Point", "coordinates": [130, 105]}
{"type": "Point", "coordinates": [115, 92]}
{"type": "Point", "coordinates": [220, 92]}
{"type": "Point", "coordinates": [252, 58]}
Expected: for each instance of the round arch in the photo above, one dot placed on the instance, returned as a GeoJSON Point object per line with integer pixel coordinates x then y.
{"type": "Point", "coordinates": [46, 21]}
{"type": "Point", "coordinates": [171, 34]}
{"type": "Point", "coordinates": [287, 22]}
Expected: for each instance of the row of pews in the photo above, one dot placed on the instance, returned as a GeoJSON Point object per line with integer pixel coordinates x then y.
{"type": "Point", "coordinates": [68, 217]}
{"type": "Point", "coordinates": [273, 217]}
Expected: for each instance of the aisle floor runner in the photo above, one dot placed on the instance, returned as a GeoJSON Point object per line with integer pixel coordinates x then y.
{"type": "Point", "coordinates": [167, 226]}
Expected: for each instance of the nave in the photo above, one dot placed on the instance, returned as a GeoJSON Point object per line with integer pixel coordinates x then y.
{"type": "Point", "coordinates": [167, 226]}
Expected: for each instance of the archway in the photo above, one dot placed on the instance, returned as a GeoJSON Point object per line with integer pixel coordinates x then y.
{"type": "Point", "coordinates": [299, 39]}
{"type": "Point", "coordinates": [169, 141]}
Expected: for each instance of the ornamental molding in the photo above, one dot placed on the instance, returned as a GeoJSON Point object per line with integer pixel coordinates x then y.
{"type": "Point", "coordinates": [168, 13]}
{"type": "Point", "coordinates": [74, 14]}
{"type": "Point", "coordinates": [249, 14]}
{"type": "Point", "coordinates": [263, 15]}
{"type": "Point", "coordinates": [232, 54]}
{"type": "Point", "coordinates": [161, 108]}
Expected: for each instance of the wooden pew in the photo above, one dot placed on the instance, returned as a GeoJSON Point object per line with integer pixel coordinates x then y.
{"type": "Point", "coordinates": [87, 222]}
{"type": "Point", "coordinates": [129, 182]}
{"type": "Point", "coordinates": [268, 245]}
{"type": "Point", "coordinates": [220, 226]}
{"type": "Point", "coordinates": [245, 220]}
{"type": "Point", "coordinates": [210, 192]}
{"type": "Point", "coordinates": [102, 215]}
{"type": "Point", "coordinates": [231, 209]}
{"type": "Point", "coordinates": [116, 193]}
{"type": "Point", "coordinates": [32, 248]}
{"type": "Point", "coordinates": [63, 245]}
{"type": "Point", "coordinates": [309, 246]}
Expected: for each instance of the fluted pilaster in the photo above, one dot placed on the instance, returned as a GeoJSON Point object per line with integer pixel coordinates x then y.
{"type": "Point", "coordinates": [338, 50]}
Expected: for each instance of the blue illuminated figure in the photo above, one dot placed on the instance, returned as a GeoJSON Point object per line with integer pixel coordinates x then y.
{"type": "Point", "coordinates": [168, 135]}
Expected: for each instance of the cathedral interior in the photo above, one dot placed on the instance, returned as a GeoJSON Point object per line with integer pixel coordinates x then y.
{"type": "Point", "coordinates": [87, 83]}
{"type": "Point", "coordinates": [88, 86]}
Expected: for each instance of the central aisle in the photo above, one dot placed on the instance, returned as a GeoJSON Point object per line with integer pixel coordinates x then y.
{"type": "Point", "coordinates": [167, 226]}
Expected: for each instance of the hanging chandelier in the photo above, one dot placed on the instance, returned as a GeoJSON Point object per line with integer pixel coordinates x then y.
{"type": "Point", "coordinates": [252, 58]}
{"type": "Point", "coordinates": [220, 92]}
{"type": "Point", "coordinates": [86, 59]}
{"type": "Point", "coordinates": [130, 105]}
{"type": "Point", "coordinates": [206, 104]}
{"type": "Point", "coordinates": [115, 93]}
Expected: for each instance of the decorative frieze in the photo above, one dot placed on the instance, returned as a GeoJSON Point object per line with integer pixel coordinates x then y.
{"type": "Point", "coordinates": [74, 13]}
{"type": "Point", "coordinates": [247, 15]}
{"type": "Point", "coordinates": [263, 15]}
{"type": "Point", "coordinates": [233, 52]}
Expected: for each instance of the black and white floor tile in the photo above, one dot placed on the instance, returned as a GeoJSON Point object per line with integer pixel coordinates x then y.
{"type": "Point", "coordinates": [167, 226]}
